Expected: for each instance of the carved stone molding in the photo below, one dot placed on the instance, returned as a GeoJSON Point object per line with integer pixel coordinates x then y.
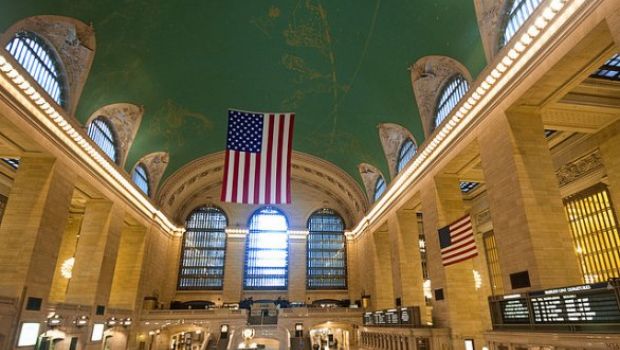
{"type": "Point", "coordinates": [156, 164]}
{"type": "Point", "coordinates": [74, 44]}
{"type": "Point", "coordinates": [125, 119]}
{"type": "Point", "coordinates": [392, 137]}
{"type": "Point", "coordinates": [491, 15]}
{"type": "Point", "coordinates": [428, 77]}
{"type": "Point", "coordinates": [369, 175]}
{"type": "Point", "coordinates": [315, 184]}
{"type": "Point", "coordinates": [578, 168]}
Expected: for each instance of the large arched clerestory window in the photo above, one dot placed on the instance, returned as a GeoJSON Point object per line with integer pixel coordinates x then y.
{"type": "Point", "coordinates": [405, 154]}
{"type": "Point", "coordinates": [204, 248]}
{"type": "Point", "coordinates": [266, 251]}
{"type": "Point", "coordinates": [39, 60]}
{"type": "Point", "coordinates": [452, 92]}
{"type": "Point", "coordinates": [326, 251]}
{"type": "Point", "coordinates": [100, 130]}
{"type": "Point", "coordinates": [519, 12]}
{"type": "Point", "coordinates": [379, 188]}
{"type": "Point", "coordinates": [140, 176]}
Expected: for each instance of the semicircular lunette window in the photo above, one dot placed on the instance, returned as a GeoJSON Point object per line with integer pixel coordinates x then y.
{"type": "Point", "coordinates": [379, 188]}
{"type": "Point", "coordinates": [405, 154]}
{"type": "Point", "coordinates": [450, 96]}
{"type": "Point", "coordinates": [100, 131]}
{"type": "Point", "coordinates": [326, 251]}
{"type": "Point", "coordinates": [38, 59]}
{"type": "Point", "coordinates": [204, 250]}
{"type": "Point", "coordinates": [266, 253]}
{"type": "Point", "coordinates": [140, 177]}
{"type": "Point", "coordinates": [519, 12]}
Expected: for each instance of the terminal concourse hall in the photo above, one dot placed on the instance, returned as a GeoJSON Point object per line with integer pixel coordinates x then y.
{"type": "Point", "coordinates": [310, 175]}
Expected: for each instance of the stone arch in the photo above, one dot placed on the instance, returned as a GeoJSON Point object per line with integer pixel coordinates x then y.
{"type": "Point", "coordinates": [491, 16]}
{"type": "Point", "coordinates": [428, 77]}
{"type": "Point", "coordinates": [370, 174]}
{"type": "Point", "coordinates": [314, 183]}
{"type": "Point", "coordinates": [125, 118]}
{"type": "Point", "coordinates": [74, 44]}
{"type": "Point", "coordinates": [392, 137]}
{"type": "Point", "coordinates": [156, 164]}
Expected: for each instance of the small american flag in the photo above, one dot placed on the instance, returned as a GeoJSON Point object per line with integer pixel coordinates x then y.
{"type": "Point", "coordinates": [457, 241]}
{"type": "Point", "coordinates": [257, 168]}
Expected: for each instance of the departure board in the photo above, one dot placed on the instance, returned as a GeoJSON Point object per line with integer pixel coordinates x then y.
{"type": "Point", "coordinates": [584, 304]}
{"type": "Point", "coordinates": [391, 317]}
{"type": "Point", "coordinates": [400, 317]}
{"type": "Point", "coordinates": [515, 311]}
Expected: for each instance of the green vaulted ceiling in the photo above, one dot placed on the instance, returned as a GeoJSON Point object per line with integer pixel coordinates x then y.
{"type": "Point", "coordinates": [340, 65]}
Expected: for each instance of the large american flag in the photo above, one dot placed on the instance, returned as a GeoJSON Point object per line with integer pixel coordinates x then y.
{"type": "Point", "coordinates": [257, 168]}
{"type": "Point", "coordinates": [457, 241]}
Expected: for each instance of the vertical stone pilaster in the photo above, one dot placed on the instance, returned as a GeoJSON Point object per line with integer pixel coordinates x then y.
{"type": "Point", "coordinates": [383, 296]}
{"type": "Point", "coordinates": [407, 267]}
{"type": "Point", "coordinates": [526, 207]}
{"type": "Point", "coordinates": [442, 204]}
{"type": "Point", "coordinates": [33, 225]}
{"type": "Point", "coordinates": [66, 251]}
{"type": "Point", "coordinates": [129, 262]}
{"type": "Point", "coordinates": [610, 152]}
{"type": "Point", "coordinates": [297, 268]}
{"type": "Point", "coordinates": [96, 253]}
{"type": "Point", "coordinates": [233, 268]}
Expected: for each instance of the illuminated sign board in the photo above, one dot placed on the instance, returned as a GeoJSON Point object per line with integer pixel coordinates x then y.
{"type": "Point", "coordinates": [398, 317]}
{"type": "Point", "coordinates": [590, 303]}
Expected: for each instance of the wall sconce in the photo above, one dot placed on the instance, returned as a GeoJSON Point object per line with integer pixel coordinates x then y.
{"type": "Point", "coordinates": [112, 322]}
{"type": "Point", "coordinates": [224, 328]}
{"type": "Point", "coordinates": [127, 322]}
{"type": "Point", "coordinates": [54, 321]}
{"type": "Point", "coordinates": [81, 321]}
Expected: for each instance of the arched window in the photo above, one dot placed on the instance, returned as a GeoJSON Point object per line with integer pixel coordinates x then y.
{"type": "Point", "coordinates": [610, 70]}
{"type": "Point", "coordinates": [266, 251]}
{"type": "Point", "coordinates": [450, 96]}
{"type": "Point", "coordinates": [519, 12]}
{"type": "Point", "coordinates": [407, 151]}
{"type": "Point", "coordinates": [140, 177]}
{"type": "Point", "coordinates": [326, 251]}
{"type": "Point", "coordinates": [379, 188]}
{"type": "Point", "coordinates": [100, 131]}
{"type": "Point", "coordinates": [204, 248]}
{"type": "Point", "coordinates": [38, 59]}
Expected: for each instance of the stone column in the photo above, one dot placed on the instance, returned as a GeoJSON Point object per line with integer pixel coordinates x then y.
{"type": "Point", "coordinates": [32, 227]}
{"type": "Point", "coordinates": [31, 232]}
{"type": "Point", "coordinates": [383, 294]}
{"type": "Point", "coordinates": [464, 308]}
{"type": "Point", "coordinates": [610, 154]}
{"type": "Point", "coordinates": [233, 268]}
{"type": "Point", "coordinates": [529, 222]}
{"type": "Point", "coordinates": [407, 266]}
{"type": "Point", "coordinates": [297, 267]}
{"type": "Point", "coordinates": [96, 254]}
{"type": "Point", "coordinates": [66, 251]}
{"type": "Point", "coordinates": [129, 262]}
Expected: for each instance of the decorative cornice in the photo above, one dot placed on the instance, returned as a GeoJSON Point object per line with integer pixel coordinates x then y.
{"type": "Point", "coordinates": [578, 168]}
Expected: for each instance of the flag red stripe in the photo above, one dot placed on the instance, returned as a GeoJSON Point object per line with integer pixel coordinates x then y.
{"type": "Point", "coordinates": [235, 177]}
{"type": "Point", "coordinates": [288, 160]}
{"type": "Point", "coordinates": [279, 160]}
{"type": "Point", "coordinates": [468, 256]}
{"type": "Point", "coordinates": [268, 189]}
{"type": "Point", "coordinates": [246, 177]}
{"type": "Point", "coordinates": [257, 180]}
{"type": "Point", "coordinates": [225, 182]}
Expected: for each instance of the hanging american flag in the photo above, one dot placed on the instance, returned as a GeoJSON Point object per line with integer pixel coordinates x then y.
{"type": "Point", "coordinates": [457, 241]}
{"type": "Point", "coordinates": [257, 169]}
